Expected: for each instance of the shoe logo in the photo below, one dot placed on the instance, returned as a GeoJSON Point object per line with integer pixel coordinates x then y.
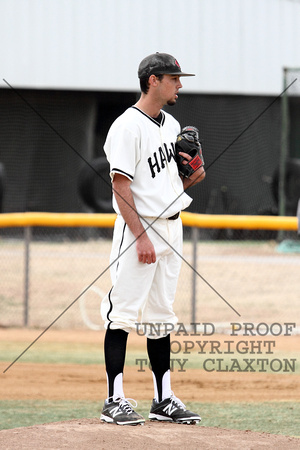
{"type": "Point", "coordinates": [115, 412]}
{"type": "Point", "coordinates": [169, 409]}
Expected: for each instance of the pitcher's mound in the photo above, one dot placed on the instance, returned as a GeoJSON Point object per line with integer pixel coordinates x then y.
{"type": "Point", "coordinates": [92, 434]}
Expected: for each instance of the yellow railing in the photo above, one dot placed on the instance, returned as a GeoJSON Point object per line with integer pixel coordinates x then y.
{"type": "Point", "coordinates": [28, 220]}
{"type": "Point", "coordinates": [240, 222]}
{"type": "Point", "coordinates": [43, 219]}
{"type": "Point", "coordinates": [35, 219]}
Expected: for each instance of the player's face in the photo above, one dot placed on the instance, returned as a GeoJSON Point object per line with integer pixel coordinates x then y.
{"type": "Point", "coordinates": [169, 87]}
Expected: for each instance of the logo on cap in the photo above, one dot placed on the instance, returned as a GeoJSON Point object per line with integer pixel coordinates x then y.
{"type": "Point", "coordinates": [177, 64]}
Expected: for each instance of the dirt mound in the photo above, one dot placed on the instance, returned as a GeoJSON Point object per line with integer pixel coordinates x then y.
{"type": "Point", "coordinates": [92, 434]}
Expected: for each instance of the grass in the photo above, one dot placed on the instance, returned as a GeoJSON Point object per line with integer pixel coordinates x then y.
{"type": "Point", "coordinates": [268, 417]}
{"type": "Point", "coordinates": [230, 363]}
{"type": "Point", "coordinates": [81, 353]}
{"type": "Point", "coordinates": [54, 353]}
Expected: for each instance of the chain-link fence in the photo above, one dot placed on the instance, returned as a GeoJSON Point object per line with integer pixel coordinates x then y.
{"type": "Point", "coordinates": [233, 277]}
{"type": "Point", "coordinates": [289, 165]}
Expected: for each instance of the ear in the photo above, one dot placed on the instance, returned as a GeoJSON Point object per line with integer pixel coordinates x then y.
{"type": "Point", "coordinates": [153, 81]}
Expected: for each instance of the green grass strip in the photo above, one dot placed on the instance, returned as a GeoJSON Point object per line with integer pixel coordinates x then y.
{"type": "Point", "coordinates": [269, 417]}
{"type": "Point", "coordinates": [70, 353]}
{"type": "Point", "coordinates": [54, 353]}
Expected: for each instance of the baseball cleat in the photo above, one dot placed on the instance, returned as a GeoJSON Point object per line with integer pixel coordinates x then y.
{"type": "Point", "coordinates": [120, 411]}
{"type": "Point", "coordinates": [172, 410]}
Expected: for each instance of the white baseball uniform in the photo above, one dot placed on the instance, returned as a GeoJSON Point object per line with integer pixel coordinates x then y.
{"type": "Point", "coordinates": [143, 150]}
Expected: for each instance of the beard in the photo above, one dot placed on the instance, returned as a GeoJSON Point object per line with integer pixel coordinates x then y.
{"type": "Point", "coordinates": [171, 102]}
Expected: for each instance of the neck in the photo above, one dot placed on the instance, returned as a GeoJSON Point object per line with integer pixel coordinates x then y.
{"type": "Point", "coordinates": [149, 107]}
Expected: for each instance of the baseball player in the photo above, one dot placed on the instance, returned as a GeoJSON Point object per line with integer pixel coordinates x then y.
{"type": "Point", "coordinates": [148, 195]}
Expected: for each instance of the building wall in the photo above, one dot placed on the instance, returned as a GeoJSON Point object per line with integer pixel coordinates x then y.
{"type": "Point", "coordinates": [234, 46]}
{"type": "Point", "coordinates": [48, 142]}
{"type": "Point", "coordinates": [75, 61]}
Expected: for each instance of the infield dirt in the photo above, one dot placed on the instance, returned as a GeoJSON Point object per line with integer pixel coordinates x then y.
{"type": "Point", "coordinates": [25, 381]}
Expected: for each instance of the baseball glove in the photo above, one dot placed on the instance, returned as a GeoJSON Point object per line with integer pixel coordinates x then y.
{"type": "Point", "coordinates": [188, 142]}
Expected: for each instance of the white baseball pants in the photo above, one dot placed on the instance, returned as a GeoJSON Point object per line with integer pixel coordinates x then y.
{"type": "Point", "coordinates": [143, 292]}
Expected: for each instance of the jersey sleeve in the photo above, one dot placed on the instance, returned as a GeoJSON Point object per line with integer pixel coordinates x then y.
{"type": "Point", "coordinates": [122, 150]}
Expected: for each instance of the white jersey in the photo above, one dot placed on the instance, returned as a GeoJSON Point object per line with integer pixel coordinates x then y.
{"type": "Point", "coordinates": [143, 150]}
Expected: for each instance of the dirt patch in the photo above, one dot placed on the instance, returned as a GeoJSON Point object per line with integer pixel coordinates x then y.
{"type": "Point", "coordinates": [92, 434]}
{"type": "Point", "coordinates": [24, 381]}
{"type": "Point", "coordinates": [88, 382]}
{"type": "Point", "coordinates": [257, 281]}
{"type": "Point", "coordinates": [75, 382]}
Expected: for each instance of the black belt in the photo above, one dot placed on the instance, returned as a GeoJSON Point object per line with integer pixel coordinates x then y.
{"type": "Point", "coordinates": [174, 217]}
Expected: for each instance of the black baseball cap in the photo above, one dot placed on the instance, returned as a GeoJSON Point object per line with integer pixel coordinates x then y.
{"type": "Point", "coordinates": [159, 64]}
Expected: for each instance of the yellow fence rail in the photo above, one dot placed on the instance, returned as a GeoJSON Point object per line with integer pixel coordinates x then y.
{"type": "Point", "coordinates": [41, 219]}
{"type": "Point", "coordinates": [28, 220]}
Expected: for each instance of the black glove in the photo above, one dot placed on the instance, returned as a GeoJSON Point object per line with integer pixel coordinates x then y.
{"type": "Point", "coordinates": [188, 142]}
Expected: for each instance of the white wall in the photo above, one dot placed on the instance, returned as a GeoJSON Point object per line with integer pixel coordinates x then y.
{"type": "Point", "coordinates": [234, 46]}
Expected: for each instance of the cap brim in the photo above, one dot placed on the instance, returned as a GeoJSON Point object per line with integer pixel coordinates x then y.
{"type": "Point", "coordinates": [181, 74]}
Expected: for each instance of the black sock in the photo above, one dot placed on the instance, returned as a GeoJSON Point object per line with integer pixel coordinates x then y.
{"type": "Point", "coordinates": [114, 350]}
{"type": "Point", "coordinates": [159, 355]}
